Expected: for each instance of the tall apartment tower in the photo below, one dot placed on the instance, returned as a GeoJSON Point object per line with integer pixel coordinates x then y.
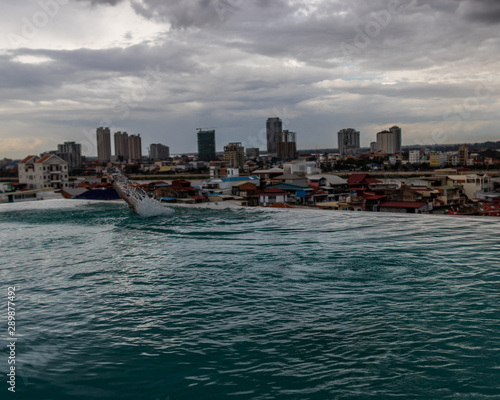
{"type": "Point", "coordinates": [389, 142]}
{"type": "Point", "coordinates": [135, 147]}
{"type": "Point", "coordinates": [396, 131]}
{"type": "Point", "coordinates": [206, 145]}
{"type": "Point", "coordinates": [70, 152]}
{"type": "Point", "coordinates": [286, 146]}
{"type": "Point", "coordinates": [121, 146]}
{"type": "Point", "coordinates": [103, 144]}
{"type": "Point", "coordinates": [234, 155]}
{"type": "Point", "coordinates": [348, 140]}
{"type": "Point", "coordinates": [274, 129]}
{"type": "Point", "coordinates": [159, 152]}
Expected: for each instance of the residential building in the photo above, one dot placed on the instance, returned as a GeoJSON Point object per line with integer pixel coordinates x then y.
{"type": "Point", "coordinates": [71, 152]}
{"type": "Point", "coordinates": [49, 171]}
{"type": "Point", "coordinates": [413, 207]}
{"type": "Point", "coordinates": [286, 147]}
{"type": "Point", "coordinates": [274, 129]}
{"type": "Point", "coordinates": [473, 184]}
{"type": "Point", "coordinates": [206, 145]}
{"type": "Point", "coordinates": [373, 147]}
{"type": "Point", "coordinates": [225, 185]}
{"type": "Point", "coordinates": [234, 155]}
{"type": "Point", "coordinates": [389, 141]}
{"type": "Point", "coordinates": [414, 157]}
{"type": "Point", "coordinates": [135, 147]}
{"type": "Point", "coordinates": [122, 146]}
{"type": "Point", "coordinates": [273, 196]}
{"type": "Point", "coordinates": [438, 159]}
{"type": "Point", "coordinates": [396, 132]}
{"type": "Point", "coordinates": [159, 152]}
{"type": "Point", "coordinates": [296, 167]}
{"type": "Point", "coordinates": [348, 140]}
{"type": "Point", "coordinates": [103, 145]}
{"type": "Point", "coordinates": [453, 159]}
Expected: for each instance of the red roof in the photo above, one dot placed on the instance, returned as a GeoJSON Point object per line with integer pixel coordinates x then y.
{"type": "Point", "coordinates": [356, 178]}
{"type": "Point", "coordinates": [197, 197]}
{"type": "Point", "coordinates": [180, 182]}
{"type": "Point", "coordinates": [44, 158]}
{"type": "Point", "coordinates": [275, 191]}
{"type": "Point", "coordinates": [29, 158]}
{"type": "Point", "coordinates": [374, 197]}
{"type": "Point", "coordinates": [402, 204]}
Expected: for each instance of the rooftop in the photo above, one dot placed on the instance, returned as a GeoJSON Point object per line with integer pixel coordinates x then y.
{"type": "Point", "coordinates": [402, 204]}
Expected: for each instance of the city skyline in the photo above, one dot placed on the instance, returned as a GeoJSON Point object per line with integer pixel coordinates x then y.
{"type": "Point", "coordinates": [320, 66]}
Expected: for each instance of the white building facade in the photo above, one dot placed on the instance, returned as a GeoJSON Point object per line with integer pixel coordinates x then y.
{"type": "Point", "coordinates": [50, 171]}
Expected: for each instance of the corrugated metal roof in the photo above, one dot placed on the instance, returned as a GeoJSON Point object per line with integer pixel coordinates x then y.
{"type": "Point", "coordinates": [240, 178]}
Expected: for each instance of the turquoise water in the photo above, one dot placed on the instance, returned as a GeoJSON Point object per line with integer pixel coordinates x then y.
{"type": "Point", "coordinates": [249, 304]}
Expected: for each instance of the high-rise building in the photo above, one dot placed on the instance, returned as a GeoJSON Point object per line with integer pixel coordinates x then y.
{"type": "Point", "coordinates": [348, 142]}
{"type": "Point", "coordinates": [159, 152]}
{"type": "Point", "coordinates": [463, 155]}
{"type": "Point", "coordinates": [103, 145]}
{"type": "Point", "coordinates": [71, 152]}
{"type": "Point", "coordinates": [135, 147]}
{"type": "Point", "coordinates": [206, 145]}
{"type": "Point", "coordinates": [234, 155]}
{"type": "Point", "coordinates": [286, 147]}
{"type": "Point", "coordinates": [396, 131]}
{"type": "Point", "coordinates": [274, 129]}
{"type": "Point", "coordinates": [389, 142]}
{"type": "Point", "coordinates": [373, 147]}
{"type": "Point", "coordinates": [122, 146]}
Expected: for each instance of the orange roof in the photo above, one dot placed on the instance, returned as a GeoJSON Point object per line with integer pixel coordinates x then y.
{"type": "Point", "coordinates": [29, 158]}
{"type": "Point", "coordinates": [44, 158]}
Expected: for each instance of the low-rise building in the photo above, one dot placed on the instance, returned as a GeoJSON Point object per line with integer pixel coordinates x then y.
{"type": "Point", "coordinates": [49, 171]}
{"type": "Point", "coordinates": [272, 196]}
{"type": "Point", "coordinates": [404, 207]}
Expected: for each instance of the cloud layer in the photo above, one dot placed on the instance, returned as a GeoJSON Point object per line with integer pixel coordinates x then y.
{"type": "Point", "coordinates": [163, 69]}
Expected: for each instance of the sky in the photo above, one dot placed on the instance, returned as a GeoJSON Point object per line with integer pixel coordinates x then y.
{"type": "Point", "coordinates": [165, 68]}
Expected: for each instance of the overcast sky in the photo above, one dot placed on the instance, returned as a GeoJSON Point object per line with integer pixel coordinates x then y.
{"type": "Point", "coordinates": [164, 68]}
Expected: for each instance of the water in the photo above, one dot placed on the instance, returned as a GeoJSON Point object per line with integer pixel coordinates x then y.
{"type": "Point", "coordinates": [249, 304]}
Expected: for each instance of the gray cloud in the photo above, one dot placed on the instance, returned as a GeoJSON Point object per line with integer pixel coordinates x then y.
{"type": "Point", "coordinates": [232, 64]}
{"type": "Point", "coordinates": [102, 2]}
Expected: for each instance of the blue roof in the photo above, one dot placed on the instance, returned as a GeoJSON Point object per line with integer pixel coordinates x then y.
{"type": "Point", "coordinates": [290, 186]}
{"type": "Point", "coordinates": [240, 178]}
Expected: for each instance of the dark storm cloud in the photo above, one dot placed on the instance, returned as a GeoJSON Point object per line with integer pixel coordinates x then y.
{"type": "Point", "coordinates": [486, 11]}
